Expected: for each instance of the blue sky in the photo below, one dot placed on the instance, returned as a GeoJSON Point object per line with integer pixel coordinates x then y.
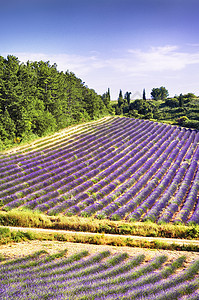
{"type": "Point", "coordinates": [116, 44]}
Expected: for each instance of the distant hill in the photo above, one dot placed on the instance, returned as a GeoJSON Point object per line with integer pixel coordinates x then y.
{"type": "Point", "coordinates": [182, 110]}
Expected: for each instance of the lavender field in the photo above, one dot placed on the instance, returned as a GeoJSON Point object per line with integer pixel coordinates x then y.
{"type": "Point", "coordinates": [117, 168]}
{"type": "Point", "coordinates": [98, 276]}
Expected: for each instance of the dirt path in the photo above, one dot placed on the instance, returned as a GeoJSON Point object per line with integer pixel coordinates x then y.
{"type": "Point", "coordinates": [15, 250]}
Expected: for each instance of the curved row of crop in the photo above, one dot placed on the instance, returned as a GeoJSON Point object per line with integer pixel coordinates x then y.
{"type": "Point", "coordinates": [64, 165]}
{"type": "Point", "coordinates": [98, 276]}
{"type": "Point", "coordinates": [60, 148]}
{"type": "Point", "coordinates": [113, 169]}
{"type": "Point", "coordinates": [120, 169]}
{"type": "Point", "coordinates": [37, 167]}
{"type": "Point", "coordinates": [139, 166]}
{"type": "Point", "coordinates": [62, 168]}
{"type": "Point", "coordinates": [62, 137]}
{"type": "Point", "coordinates": [175, 176]}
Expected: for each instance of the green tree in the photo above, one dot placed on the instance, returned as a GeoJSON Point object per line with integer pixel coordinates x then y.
{"type": "Point", "coordinates": [164, 93]}
{"type": "Point", "coordinates": [172, 102]}
{"type": "Point", "coordinates": [10, 85]}
{"type": "Point", "coordinates": [159, 93]}
{"type": "Point", "coordinates": [142, 107]}
{"type": "Point", "coordinates": [106, 98]}
{"type": "Point", "coordinates": [7, 127]}
{"type": "Point", "coordinates": [181, 101]}
{"type": "Point", "coordinates": [189, 95]}
{"type": "Point", "coordinates": [47, 84]}
{"type": "Point", "coordinates": [120, 99]}
{"type": "Point", "coordinates": [28, 101]}
{"type": "Point", "coordinates": [127, 97]}
{"type": "Point", "coordinates": [44, 123]}
{"type": "Point", "coordinates": [156, 95]}
{"type": "Point", "coordinates": [94, 104]}
{"type": "Point", "coordinates": [144, 95]}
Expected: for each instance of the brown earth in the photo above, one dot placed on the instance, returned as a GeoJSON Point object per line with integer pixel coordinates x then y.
{"type": "Point", "coordinates": [15, 250]}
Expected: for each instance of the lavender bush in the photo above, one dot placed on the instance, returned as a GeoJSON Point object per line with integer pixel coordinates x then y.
{"type": "Point", "coordinates": [102, 275]}
{"type": "Point", "coordinates": [117, 168]}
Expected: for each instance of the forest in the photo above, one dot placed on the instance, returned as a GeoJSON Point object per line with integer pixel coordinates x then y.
{"type": "Point", "coordinates": [36, 99]}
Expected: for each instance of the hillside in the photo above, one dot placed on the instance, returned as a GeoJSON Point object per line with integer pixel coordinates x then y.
{"type": "Point", "coordinates": [181, 110]}
{"type": "Point", "coordinates": [117, 168]}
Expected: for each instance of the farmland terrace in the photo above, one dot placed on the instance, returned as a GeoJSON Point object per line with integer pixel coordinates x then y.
{"type": "Point", "coordinates": [114, 168]}
{"type": "Point", "coordinates": [101, 274]}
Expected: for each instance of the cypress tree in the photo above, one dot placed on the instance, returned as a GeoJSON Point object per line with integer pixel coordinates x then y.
{"type": "Point", "coordinates": [127, 97]}
{"type": "Point", "coordinates": [106, 98]}
{"type": "Point", "coordinates": [144, 95]}
{"type": "Point", "coordinates": [120, 99]}
{"type": "Point", "coordinates": [181, 101]}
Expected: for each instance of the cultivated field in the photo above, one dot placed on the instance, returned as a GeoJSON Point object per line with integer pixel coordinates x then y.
{"type": "Point", "coordinates": [117, 168]}
{"type": "Point", "coordinates": [99, 275]}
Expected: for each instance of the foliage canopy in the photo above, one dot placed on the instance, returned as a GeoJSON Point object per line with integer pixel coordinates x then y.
{"type": "Point", "coordinates": [159, 93]}
{"type": "Point", "coordinates": [35, 99]}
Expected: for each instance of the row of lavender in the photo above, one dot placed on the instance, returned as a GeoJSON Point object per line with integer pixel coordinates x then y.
{"type": "Point", "coordinates": [25, 168]}
{"type": "Point", "coordinates": [69, 159]}
{"type": "Point", "coordinates": [51, 144]}
{"type": "Point", "coordinates": [120, 169]}
{"type": "Point", "coordinates": [98, 276]}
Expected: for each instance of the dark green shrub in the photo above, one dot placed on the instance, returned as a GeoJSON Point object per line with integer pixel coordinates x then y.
{"type": "Point", "coordinates": [192, 124]}
{"type": "Point", "coordinates": [172, 102]}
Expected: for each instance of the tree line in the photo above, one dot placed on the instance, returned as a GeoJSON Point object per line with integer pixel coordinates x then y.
{"type": "Point", "coordinates": [181, 110]}
{"type": "Point", "coordinates": [140, 106]}
{"type": "Point", "coordinates": [36, 99]}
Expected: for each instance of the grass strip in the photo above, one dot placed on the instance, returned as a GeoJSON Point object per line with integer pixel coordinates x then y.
{"type": "Point", "coordinates": [28, 218]}
{"type": "Point", "coordinates": [9, 236]}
